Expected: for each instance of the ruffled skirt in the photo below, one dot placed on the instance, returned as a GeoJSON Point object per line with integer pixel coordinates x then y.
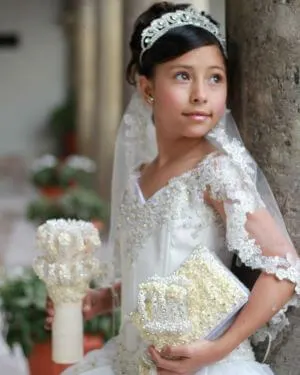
{"type": "Point", "coordinates": [104, 362]}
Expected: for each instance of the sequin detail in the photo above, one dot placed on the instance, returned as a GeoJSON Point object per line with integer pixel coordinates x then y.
{"type": "Point", "coordinates": [197, 301]}
{"type": "Point", "coordinates": [169, 204]}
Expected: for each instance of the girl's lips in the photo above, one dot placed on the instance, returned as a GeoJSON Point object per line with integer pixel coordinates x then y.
{"type": "Point", "coordinates": [197, 113]}
{"type": "Point", "coordinates": [198, 116]}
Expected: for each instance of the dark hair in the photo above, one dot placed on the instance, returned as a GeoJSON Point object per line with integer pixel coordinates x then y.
{"type": "Point", "coordinates": [174, 43]}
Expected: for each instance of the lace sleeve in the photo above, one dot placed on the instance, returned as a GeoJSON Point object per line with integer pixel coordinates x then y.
{"type": "Point", "coordinates": [251, 232]}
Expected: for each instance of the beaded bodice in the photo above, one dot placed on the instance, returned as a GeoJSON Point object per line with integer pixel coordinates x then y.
{"type": "Point", "coordinates": [156, 236]}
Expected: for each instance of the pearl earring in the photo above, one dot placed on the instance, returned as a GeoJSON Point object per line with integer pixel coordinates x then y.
{"type": "Point", "coordinates": [150, 99]}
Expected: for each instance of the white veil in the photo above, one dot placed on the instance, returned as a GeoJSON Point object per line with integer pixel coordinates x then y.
{"type": "Point", "coordinates": [136, 144]}
{"type": "Point", "coordinates": [226, 137]}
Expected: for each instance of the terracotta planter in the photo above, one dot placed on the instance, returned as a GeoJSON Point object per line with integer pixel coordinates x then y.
{"type": "Point", "coordinates": [40, 362]}
{"type": "Point", "coordinates": [52, 192]}
{"type": "Point", "coordinates": [99, 225]}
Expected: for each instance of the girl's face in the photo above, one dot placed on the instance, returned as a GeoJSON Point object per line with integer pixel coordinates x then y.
{"type": "Point", "coordinates": [189, 93]}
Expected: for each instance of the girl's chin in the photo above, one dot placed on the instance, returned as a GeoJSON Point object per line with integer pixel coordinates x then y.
{"type": "Point", "coordinates": [197, 131]}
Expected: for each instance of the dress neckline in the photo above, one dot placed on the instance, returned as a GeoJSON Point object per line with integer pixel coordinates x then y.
{"type": "Point", "coordinates": [171, 180]}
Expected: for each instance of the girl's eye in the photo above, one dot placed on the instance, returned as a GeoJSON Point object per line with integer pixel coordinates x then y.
{"type": "Point", "coordinates": [216, 78]}
{"type": "Point", "coordinates": [182, 76]}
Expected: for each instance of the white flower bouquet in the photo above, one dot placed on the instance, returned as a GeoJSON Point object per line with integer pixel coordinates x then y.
{"type": "Point", "coordinates": [67, 265]}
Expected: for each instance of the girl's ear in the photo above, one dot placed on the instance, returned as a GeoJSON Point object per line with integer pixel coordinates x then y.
{"type": "Point", "coordinates": [145, 87]}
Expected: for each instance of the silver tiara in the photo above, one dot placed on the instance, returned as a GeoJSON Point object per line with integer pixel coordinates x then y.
{"type": "Point", "coordinates": [168, 21]}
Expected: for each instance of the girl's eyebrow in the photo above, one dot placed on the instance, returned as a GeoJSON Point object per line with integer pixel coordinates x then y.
{"type": "Point", "coordinates": [190, 67]}
{"type": "Point", "coordinates": [182, 66]}
{"type": "Point", "coordinates": [217, 67]}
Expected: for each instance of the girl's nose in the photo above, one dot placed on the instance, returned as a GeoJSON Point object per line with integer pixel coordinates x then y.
{"type": "Point", "coordinates": [198, 94]}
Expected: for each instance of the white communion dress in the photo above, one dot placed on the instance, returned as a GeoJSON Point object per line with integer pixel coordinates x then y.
{"type": "Point", "coordinates": [157, 235]}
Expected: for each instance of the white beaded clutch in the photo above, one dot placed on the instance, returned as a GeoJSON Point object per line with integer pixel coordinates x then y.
{"type": "Point", "coordinates": [199, 300]}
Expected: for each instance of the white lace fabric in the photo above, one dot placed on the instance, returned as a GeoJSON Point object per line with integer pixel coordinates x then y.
{"type": "Point", "coordinates": [236, 190]}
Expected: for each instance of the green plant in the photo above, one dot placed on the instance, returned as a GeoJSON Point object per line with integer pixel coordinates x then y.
{"type": "Point", "coordinates": [77, 170]}
{"type": "Point", "coordinates": [84, 204]}
{"type": "Point", "coordinates": [45, 177]}
{"type": "Point", "coordinates": [44, 171]}
{"type": "Point", "coordinates": [23, 300]}
{"type": "Point", "coordinates": [63, 118]}
{"type": "Point", "coordinates": [76, 203]}
{"type": "Point", "coordinates": [43, 209]}
{"type": "Point", "coordinates": [62, 126]}
{"type": "Point", "coordinates": [48, 171]}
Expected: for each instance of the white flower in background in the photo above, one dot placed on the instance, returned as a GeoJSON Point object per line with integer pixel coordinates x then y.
{"type": "Point", "coordinates": [81, 162]}
{"type": "Point", "coordinates": [13, 273]}
{"type": "Point", "coordinates": [46, 161]}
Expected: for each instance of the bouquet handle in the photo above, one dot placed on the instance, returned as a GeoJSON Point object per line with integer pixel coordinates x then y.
{"type": "Point", "coordinates": [67, 333]}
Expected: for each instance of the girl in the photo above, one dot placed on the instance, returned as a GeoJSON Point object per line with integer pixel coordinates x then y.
{"type": "Point", "coordinates": [191, 183]}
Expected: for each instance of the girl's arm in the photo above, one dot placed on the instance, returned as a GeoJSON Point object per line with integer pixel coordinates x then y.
{"type": "Point", "coordinates": [261, 245]}
{"type": "Point", "coordinates": [260, 242]}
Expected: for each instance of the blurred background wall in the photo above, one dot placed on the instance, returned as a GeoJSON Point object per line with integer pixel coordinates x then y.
{"type": "Point", "coordinates": [32, 75]}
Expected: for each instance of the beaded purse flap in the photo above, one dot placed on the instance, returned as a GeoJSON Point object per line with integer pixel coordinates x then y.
{"type": "Point", "coordinates": [199, 300]}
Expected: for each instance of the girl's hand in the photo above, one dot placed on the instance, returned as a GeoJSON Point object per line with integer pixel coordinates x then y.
{"type": "Point", "coordinates": [94, 303]}
{"type": "Point", "coordinates": [188, 359]}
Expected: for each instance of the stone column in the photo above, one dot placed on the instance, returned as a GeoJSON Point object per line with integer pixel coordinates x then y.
{"type": "Point", "coordinates": [200, 4]}
{"type": "Point", "coordinates": [85, 79]}
{"type": "Point", "coordinates": [109, 88]}
{"type": "Point", "coordinates": [264, 59]}
{"type": "Point", "coordinates": [217, 10]}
